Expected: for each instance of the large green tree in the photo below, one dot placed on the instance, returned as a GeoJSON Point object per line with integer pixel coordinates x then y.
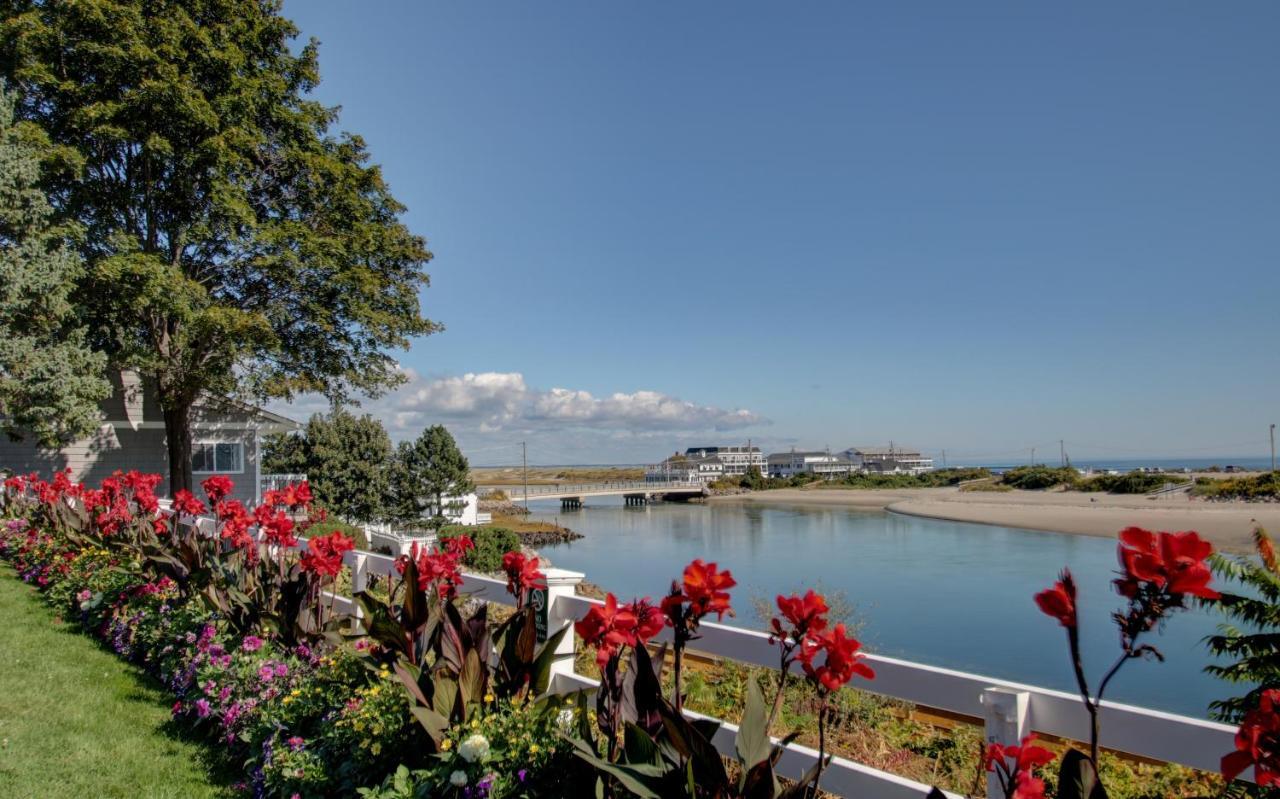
{"type": "Point", "coordinates": [429, 476]}
{"type": "Point", "coordinates": [51, 382]}
{"type": "Point", "coordinates": [233, 242]}
{"type": "Point", "coordinates": [347, 460]}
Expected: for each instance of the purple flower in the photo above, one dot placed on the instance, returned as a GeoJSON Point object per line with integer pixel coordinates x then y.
{"type": "Point", "coordinates": [282, 670]}
{"type": "Point", "coordinates": [304, 651]}
{"type": "Point", "coordinates": [251, 643]}
{"type": "Point", "coordinates": [521, 774]}
{"type": "Point", "coordinates": [202, 708]}
{"type": "Point", "coordinates": [265, 672]}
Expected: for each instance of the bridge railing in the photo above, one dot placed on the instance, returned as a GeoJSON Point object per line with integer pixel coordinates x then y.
{"type": "Point", "coordinates": [570, 489]}
{"type": "Point", "coordinates": [1010, 710]}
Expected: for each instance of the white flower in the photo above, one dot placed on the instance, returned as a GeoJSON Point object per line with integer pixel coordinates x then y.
{"type": "Point", "coordinates": [474, 748]}
{"type": "Point", "coordinates": [564, 720]}
{"type": "Point", "coordinates": [458, 778]}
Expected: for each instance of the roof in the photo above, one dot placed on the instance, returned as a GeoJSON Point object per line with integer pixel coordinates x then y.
{"type": "Point", "coordinates": [886, 452]}
{"type": "Point", "coordinates": [271, 422]}
{"type": "Point", "coordinates": [692, 450]}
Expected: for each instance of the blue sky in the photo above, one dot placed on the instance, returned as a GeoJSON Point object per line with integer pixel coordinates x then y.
{"type": "Point", "coordinates": [978, 227]}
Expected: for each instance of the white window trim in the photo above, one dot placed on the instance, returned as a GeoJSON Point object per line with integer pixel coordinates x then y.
{"type": "Point", "coordinates": [213, 443]}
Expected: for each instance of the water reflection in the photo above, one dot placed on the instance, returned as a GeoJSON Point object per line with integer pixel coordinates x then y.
{"type": "Point", "coordinates": [946, 593]}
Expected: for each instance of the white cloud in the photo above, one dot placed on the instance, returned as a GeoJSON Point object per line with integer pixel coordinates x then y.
{"type": "Point", "coordinates": [497, 405]}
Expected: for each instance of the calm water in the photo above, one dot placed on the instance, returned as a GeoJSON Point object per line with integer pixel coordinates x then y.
{"type": "Point", "coordinates": [945, 593]}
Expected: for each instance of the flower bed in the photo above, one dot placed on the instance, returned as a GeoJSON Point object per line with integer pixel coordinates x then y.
{"type": "Point", "coordinates": [418, 699]}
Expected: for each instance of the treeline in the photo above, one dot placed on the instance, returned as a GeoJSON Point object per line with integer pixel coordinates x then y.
{"type": "Point", "coordinates": [1036, 478]}
{"type": "Point", "coordinates": [356, 474]}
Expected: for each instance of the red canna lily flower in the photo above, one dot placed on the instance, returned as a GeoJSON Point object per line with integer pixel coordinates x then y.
{"type": "Point", "coordinates": [522, 573]}
{"type": "Point", "coordinates": [805, 615]}
{"type": "Point", "coordinates": [607, 628]}
{"type": "Point", "coordinates": [1026, 757]}
{"type": "Point", "coordinates": [276, 526]}
{"type": "Point", "coordinates": [704, 589]}
{"type": "Point", "coordinates": [185, 502]}
{"type": "Point", "coordinates": [217, 487]}
{"type": "Point", "coordinates": [649, 619]}
{"type": "Point", "coordinates": [842, 662]}
{"type": "Point", "coordinates": [1257, 743]}
{"type": "Point", "coordinates": [1173, 563]}
{"type": "Point", "coordinates": [324, 553]}
{"type": "Point", "coordinates": [1060, 600]}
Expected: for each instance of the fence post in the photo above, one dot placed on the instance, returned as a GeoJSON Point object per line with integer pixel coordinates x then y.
{"type": "Point", "coordinates": [561, 583]}
{"type": "Point", "coordinates": [1008, 721]}
{"type": "Point", "coordinates": [359, 579]}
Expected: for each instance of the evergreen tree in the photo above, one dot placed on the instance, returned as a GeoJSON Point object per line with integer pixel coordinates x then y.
{"type": "Point", "coordinates": [1250, 638]}
{"type": "Point", "coordinates": [429, 477]}
{"type": "Point", "coordinates": [346, 458]}
{"type": "Point", "coordinates": [50, 381]}
{"type": "Point", "coordinates": [233, 242]}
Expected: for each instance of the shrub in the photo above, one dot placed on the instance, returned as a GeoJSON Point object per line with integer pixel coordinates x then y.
{"type": "Point", "coordinates": [491, 543]}
{"type": "Point", "coordinates": [1257, 487]}
{"type": "Point", "coordinates": [1129, 483]}
{"type": "Point", "coordinates": [352, 531]}
{"type": "Point", "coordinates": [1034, 478]}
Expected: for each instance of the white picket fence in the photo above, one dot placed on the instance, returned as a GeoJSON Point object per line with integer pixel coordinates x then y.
{"type": "Point", "coordinates": [1010, 710]}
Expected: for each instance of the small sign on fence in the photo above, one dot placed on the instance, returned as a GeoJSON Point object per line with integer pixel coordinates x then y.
{"type": "Point", "coordinates": [537, 600]}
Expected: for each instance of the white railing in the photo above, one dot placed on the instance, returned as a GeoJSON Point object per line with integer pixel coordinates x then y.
{"type": "Point", "coordinates": [1010, 710]}
{"type": "Point", "coordinates": [574, 489]}
{"type": "Point", "coordinates": [275, 482]}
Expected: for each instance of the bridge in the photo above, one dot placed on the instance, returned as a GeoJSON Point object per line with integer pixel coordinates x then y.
{"type": "Point", "coordinates": [634, 492]}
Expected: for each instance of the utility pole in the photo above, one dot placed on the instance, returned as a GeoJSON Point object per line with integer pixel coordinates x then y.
{"type": "Point", "coordinates": [524, 459]}
{"type": "Point", "coordinates": [1273, 447]}
{"type": "Point", "coordinates": [944, 460]}
{"type": "Point", "coordinates": [1033, 456]}
{"type": "Point", "coordinates": [1062, 453]}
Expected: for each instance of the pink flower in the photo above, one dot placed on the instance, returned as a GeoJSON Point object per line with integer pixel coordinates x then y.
{"type": "Point", "coordinates": [251, 643]}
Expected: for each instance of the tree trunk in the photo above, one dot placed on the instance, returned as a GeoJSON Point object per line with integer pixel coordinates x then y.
{"type": "Point", "coordinates": [177, 434]}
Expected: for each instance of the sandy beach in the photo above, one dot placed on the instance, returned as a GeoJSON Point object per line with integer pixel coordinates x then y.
{"type": "Point", "coordinates": [1226, 524]}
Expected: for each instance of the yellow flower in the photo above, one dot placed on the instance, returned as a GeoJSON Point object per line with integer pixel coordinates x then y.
{"type": "Point", "coordinates": [295, 692]}
{"type": "Point", "coordinates": [445, 745]}
{"type": "Point", "coordinates": [533, 749]}
{"type": "Point", "coordinates": [288, 699]}
{"type": "Point", "coordinates": [376, 748]}
{"type": "Point", "coordinates": [488, 697]}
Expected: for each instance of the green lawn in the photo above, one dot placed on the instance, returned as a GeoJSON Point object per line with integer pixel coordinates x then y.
{"type": "Point", "coordinates": [76, 721]}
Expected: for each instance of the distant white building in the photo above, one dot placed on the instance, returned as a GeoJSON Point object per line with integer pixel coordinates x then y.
{"type": "Point", "coordinates": [702, 465]}
{"type": "Point", "coordinates": [737, 461]}
{"type": "Point", "coordinates": [888, 460]}
{"type": "Point", "coordinates": [822, 464]}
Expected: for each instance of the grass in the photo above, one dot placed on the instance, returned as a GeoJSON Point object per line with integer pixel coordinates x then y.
{"type": "Point", "coordinates": [76, 721]}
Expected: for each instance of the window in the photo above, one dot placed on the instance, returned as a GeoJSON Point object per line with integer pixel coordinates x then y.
{"type": "Point", "coordinates": [220, 456]}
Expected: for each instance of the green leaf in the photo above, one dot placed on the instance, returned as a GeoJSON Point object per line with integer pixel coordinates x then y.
{"type": "Point", "coordinates": [540, 671]}
{"type": "Point", "coordinates": [638, 746]}
{"type": "Point", "coordinates": [1077, 778]}
{"type": "Point", "coordinates": [644, 781]}
{"type": "Point", "coordinates": [753, 744]}
{"type": "Point", "coordinates": [435, 724]}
